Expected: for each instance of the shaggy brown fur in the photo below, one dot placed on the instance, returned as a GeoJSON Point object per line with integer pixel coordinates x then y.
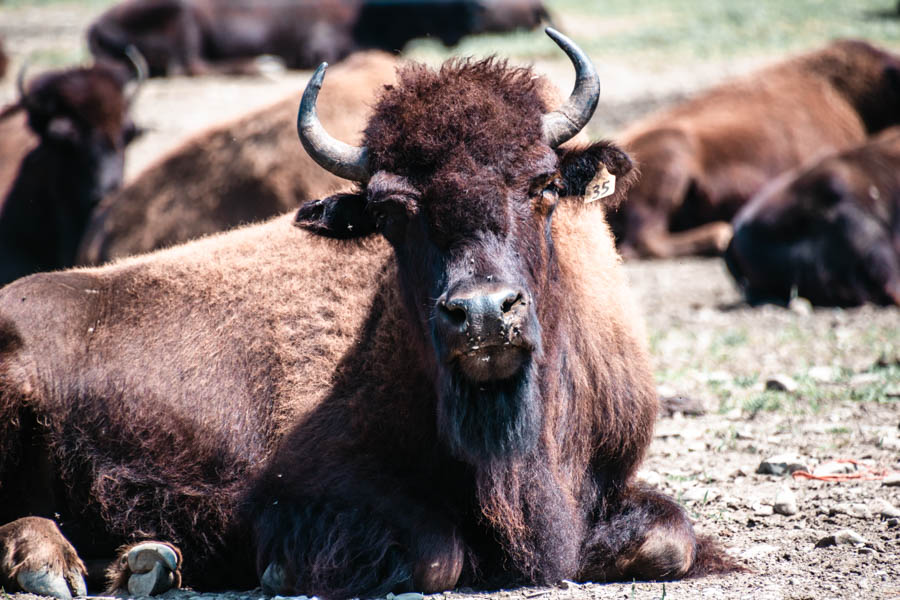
{"type": "Point", "coordinates": [79, 117]}
{"type": "Point", "coordinates": [241, 172]}
{"type": "Point", "coordinates": [701, 161]}
{"type": "Point", "coordinates": [287, 406]}
{"type": "Point", "coordinates": [828, 231]}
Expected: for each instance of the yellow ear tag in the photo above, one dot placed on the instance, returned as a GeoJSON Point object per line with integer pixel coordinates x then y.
{"type": "Point", "coordinates": [603, 185]}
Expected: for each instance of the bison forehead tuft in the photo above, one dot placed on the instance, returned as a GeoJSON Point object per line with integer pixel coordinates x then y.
{"type": "Point", "coordinates": [484, 110]}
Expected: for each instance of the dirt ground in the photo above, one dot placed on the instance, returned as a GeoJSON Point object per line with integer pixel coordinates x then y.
{"type": "Point", "coordinates": [842, 368]}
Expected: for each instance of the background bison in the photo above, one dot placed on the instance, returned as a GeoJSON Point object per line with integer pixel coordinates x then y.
{"type": "Point", "coordinates": [238, 173]}
{"type": "Point", "coordinates": [443, 404]}
{"type": "Point", "coordinates": [702, 160]}
{"type": "Point", "coordinates": [198, 36]}
{"type": "Point", "coordinates": [828, 231]}
{"type": "Point", "coordinates": [54, 175]}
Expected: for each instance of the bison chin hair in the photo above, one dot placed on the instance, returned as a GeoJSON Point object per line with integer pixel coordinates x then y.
{"type": "Point", "coordinates": [483, 422]}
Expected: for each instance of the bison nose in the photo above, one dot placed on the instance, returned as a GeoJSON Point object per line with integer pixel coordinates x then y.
{"type": "Point", "coordinates": [482, 313]}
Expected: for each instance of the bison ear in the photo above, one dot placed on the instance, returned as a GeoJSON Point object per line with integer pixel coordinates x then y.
{"type": "Point", "coordinates": [342, 216]}
{"type": "Point", "coordinates": [592, 166]}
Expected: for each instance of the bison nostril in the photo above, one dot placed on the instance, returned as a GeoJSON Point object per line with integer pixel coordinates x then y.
{"type": "Point", "coordinates": [511, 301]}
{"type": "Point", "coordinates": [454, 313]}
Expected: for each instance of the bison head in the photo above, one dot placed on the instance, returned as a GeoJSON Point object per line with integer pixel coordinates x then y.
{"type": "Point", "coordinates": [829, 233]}
{"type": "Point", "coordinates": [82, 114]}
{"type": "Point", "coordinates": [461, 173]}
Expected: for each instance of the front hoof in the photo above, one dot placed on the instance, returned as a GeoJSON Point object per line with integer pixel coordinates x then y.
{"type": "Point", "coordinates": [36, 558]}
{"type": "Point", "coordinates": [148, 569]}
{"type": "Point", "coordinates": [46, 583]}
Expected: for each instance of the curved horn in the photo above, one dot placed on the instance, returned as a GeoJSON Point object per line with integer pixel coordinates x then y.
{"type": "Point", "coordinates": [140, 72]}
{"type": "Point", "coordinates": [344, 160]}
{"type": "Point", "coordinates": [20, 82]}
{"type": "Point", "coordinates": [570, 118]}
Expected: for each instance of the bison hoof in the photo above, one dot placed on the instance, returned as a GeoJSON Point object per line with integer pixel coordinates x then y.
{"type": "Point", "coordinates": [153, 567]}
{"type": "Point", "coordinates": [38, 559]}
{"type": "Point", "coordinates": [46, 583]}
{"type": "Point", "coordinates": [273, 579]}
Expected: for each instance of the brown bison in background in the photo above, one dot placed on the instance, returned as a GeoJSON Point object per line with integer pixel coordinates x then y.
{"type": "Point", "coordinates": [242, 172]}
{"type": "Point", "coordinates": [63, 148]}
{"type": "Point", "coordinates": [417, 389]}
{"type": "Point", "coordinates": [828, 231]}
{"type": "Point", "coordinates": [196, 36]}
{"type": "Point", "coordinates": [701, 161]}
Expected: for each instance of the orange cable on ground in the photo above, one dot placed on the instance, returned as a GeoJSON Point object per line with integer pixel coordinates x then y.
{"type": "Point", "coordinates": [866, 474]}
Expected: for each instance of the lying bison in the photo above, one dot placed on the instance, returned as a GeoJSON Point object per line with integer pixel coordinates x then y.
{"type": "Point", "coordinates": [701, 161]}
{"type": "Point", "coordinates": [194, 37]}
{"type": "Point", "coordinates": [242, 172]}
{"type": "Point", "coordinates": [58, 165]}
{"type": "Point", "coordinates": [416, 390]}
{"type": "Point", "coordinates": [829, 231]}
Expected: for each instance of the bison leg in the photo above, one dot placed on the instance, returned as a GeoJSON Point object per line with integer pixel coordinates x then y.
{"type": "Point", "coordinates": [710, 239]}
{"type": "Point", "coordinates": [36, 558]}
{"type": "Point", "coordinates": [647, 536]}
{"type": "Point", "coordinates": [146, 569]}
{"type": "Point", "coordinates": [315, 548]}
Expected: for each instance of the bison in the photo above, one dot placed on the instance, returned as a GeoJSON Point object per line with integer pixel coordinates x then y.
{"type": "Point", "coordinates": [241, 172]}
{"type": "Point", "coordinates": [701, 161]}
{"type": "Point", "coordinates": [438, 380]}
{"type": "Point", "coordinates": [828, 231]}
{"type": "Point", "coordinates": [193, 37]}
{"type": "Point", "coordinates": [57, 172]}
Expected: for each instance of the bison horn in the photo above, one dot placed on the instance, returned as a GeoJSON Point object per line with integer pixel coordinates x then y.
{"type": "Point", "coordinates": [344, 160]}
{"type": "Point", "coordinates": [140, 71]}
{"type": "Point", "coordinates": [570, 118]}
{"type": "Point", "coordinates": [20, 82]}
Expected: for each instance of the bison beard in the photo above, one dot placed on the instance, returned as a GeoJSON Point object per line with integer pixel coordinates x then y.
{"type": "Point", "coordinates": [483, 421]}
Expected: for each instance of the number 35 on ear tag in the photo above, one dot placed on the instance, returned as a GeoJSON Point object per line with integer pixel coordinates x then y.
{"type": "Point", "coordinates": [603, 185]}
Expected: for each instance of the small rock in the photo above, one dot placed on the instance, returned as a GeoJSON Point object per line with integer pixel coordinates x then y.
{"type": "Point", "coordinates": [785, 502]}
{"type": "Point", "coordinates": [781, 383]}
{"type": "Point", "coordinates": [822, 374]}
{"type": "Point", "coordinates": [884, 509]}
{"type": "Point", "coordinates": [892, 480]}
{"type": "Point", "coordinates": [651, 478]}
{"type": "Point", "coordinates": [865, 378]}
{"type": "Point", "coordinates": [856, 510]}
{"type": "Point", "coordinates": [891, 523]}
{"type": "Point", "coordinates": [763, 510]}
{"type": "Point", "coordinates": [758, 550]}
{"type": "Point", "coordinates": [801, 306]}
{"type": "Point", "coordinates": [409, 596]}
{"type": "Point", "coordinates": [845, 536]}
{"type": "Point", "coordinates": [781, 464]}
{"type": "Point", "coordinates": [890, 443]}
{"type": "Point", "coordinates": [834, 468]}
{"type": "Point", "coordinates": [865, 550]}
{"type": "Point", "coordinates": [700, 494]}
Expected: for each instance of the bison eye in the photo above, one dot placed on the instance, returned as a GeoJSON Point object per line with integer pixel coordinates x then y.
{"type": "Point", "coordinates": [389, 217]}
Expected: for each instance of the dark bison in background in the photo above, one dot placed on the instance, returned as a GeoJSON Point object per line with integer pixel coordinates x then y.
{"type": "Point", "coordinates": [416, 389]}
{"type": "Point", "coordinates": [197, 36]}
{"type": "Point", "coordinates": [701, 161]}
{"type": "Point", "coordinates": [63, 148]}
{"type": "Point", "coordinates": [238, 173]}
{"type": "Point", "coordinates": [828, 231]}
